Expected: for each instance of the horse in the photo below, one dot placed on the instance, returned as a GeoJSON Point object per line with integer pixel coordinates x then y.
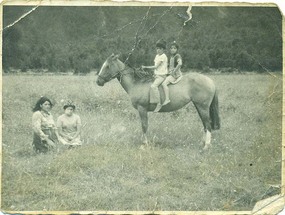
{"type": "Point", "coordinates": [194, 87]}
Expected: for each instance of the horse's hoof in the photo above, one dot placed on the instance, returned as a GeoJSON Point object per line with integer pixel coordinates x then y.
{"type": "Point", "coordinates": [207, 147]}
{"type": "Point", "coordinates": [144, 147]}
{"type": "Point", "coordinates": [145, 142]}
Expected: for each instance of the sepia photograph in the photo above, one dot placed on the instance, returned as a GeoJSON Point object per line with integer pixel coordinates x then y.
{"type": "Point", "coordinates": [141, 107]}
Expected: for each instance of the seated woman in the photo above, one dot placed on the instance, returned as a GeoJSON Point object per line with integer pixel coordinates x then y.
{"type": "Point", "coordinates": [45, 131]}
{"type": "Point", "coordinates": [69, 127]}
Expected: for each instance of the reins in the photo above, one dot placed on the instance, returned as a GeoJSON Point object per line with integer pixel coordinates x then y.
{"type": "Point", "coordinates": [124, 71]}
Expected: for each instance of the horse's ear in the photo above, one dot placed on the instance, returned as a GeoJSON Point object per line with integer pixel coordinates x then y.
{"type": "Point", "coordinates": [111, 57]}
{"type": "Point", "coordinates": [115, 57]}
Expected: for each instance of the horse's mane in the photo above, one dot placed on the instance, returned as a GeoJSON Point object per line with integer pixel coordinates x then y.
{"type": "Point", "coordinates": [142, 76]}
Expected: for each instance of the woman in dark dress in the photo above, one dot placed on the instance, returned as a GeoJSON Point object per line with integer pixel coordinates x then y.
{"type": "Point", "coordinates": [45, 131]}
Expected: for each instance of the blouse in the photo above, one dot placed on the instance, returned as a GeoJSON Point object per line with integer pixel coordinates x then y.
{"type": "Point", "coordinates": [69, 124]}
{"type": "Point", "coordinates": [42, 121]}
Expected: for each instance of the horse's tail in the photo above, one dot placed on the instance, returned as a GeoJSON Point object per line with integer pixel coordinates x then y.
{"type": "Point", "coordinates": [214, 113]}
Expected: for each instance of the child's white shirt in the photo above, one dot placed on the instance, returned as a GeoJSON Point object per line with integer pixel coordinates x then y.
{"type": "Point", "coordinates": [162, 69]}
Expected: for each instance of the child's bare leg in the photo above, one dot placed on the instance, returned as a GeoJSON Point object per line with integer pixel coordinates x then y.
{"type": "Point", "coordinates": [158, 106]}
{"type": "Point", "coordinates": [154, 87]}
{"type": "Point", "coordinates": [166, 92]}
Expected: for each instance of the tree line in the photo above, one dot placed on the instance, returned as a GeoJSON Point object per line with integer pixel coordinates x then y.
{"type": "Point", "coordinates": [79, 39]}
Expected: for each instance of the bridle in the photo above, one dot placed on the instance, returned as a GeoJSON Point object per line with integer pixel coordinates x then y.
{"type": "Point", "coordinates": [118, 75]}
{"type": "Point", "coordinates": [110, 78]}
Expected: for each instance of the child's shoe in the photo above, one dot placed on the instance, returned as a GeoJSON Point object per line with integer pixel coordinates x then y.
{"type": "Point", "coordinates": [166, 102]}
{"type": "Point", "coordinates": [158, 107]}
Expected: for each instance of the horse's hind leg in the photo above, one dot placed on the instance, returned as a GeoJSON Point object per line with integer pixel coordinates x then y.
{"type": "Point", "coordinates": [204, 113]}
{"type": "Point", "coordinates": [144, 122]}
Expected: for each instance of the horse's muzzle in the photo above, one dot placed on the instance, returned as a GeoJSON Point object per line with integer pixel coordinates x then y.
{"type": "Point", "coordinates": [100, 82]}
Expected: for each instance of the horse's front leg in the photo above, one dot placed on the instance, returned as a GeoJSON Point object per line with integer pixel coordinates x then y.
{"type": "Point", "coordinates": [144, 122]}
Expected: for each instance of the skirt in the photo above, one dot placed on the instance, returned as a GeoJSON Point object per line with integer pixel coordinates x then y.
{"type": "Point", "coordinates": [43, 146]}
{"type": "Point", "coordinates": [74, 142]}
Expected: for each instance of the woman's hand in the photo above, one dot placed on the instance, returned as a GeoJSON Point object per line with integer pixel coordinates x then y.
{"type": "Point", "coordinates": [69, 138]}
{"type": "Point", "coordinates": [44, 137]}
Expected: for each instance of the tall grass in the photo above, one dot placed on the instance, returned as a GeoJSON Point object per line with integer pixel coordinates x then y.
{"type": "Point", "coordinates": [111, 172]}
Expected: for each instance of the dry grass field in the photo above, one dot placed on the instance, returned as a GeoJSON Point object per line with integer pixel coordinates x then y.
{"type": "Point", "coordinates": [110, 171]}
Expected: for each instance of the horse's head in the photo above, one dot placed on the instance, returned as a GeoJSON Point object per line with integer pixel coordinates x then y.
{"type": "Point", "coordinates": [110, 69]}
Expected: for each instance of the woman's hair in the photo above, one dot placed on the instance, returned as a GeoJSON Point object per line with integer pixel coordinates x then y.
{"type": "Point", "coordinates": [42, 100]}
{"type": "Point", "coordinates": [174, 44]}
{"type": "Point", "coordinates": [161, 44]}
{"type": "Point", "coordinates": [69, 105]}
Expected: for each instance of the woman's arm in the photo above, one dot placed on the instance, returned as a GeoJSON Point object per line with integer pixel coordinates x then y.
{"type": "Point", "coordinates": [56, 133]}
{"type": "Point", "coordinates": [54, 127]}
{"type": "Point", "coordinates": [79, 126]}
{"type": "Point", "coordinates": [36, 123]}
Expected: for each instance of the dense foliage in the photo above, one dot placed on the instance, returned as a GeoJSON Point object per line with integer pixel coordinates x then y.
{"type": "Point", "coordinates": [79, 39]}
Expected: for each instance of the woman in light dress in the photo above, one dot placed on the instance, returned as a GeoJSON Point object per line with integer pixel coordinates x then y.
{"type": "Point", "coordinates": [69, 127]}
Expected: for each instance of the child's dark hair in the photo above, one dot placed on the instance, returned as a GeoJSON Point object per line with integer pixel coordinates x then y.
{"type": "Point", "coordinates": [42, 100]}
{"type": "Point", "coordinates": [161, 44]}
{"type": "Point", "coordinates": [69, 105]}
{"type": "Point", "coordinates": [174, 44]}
